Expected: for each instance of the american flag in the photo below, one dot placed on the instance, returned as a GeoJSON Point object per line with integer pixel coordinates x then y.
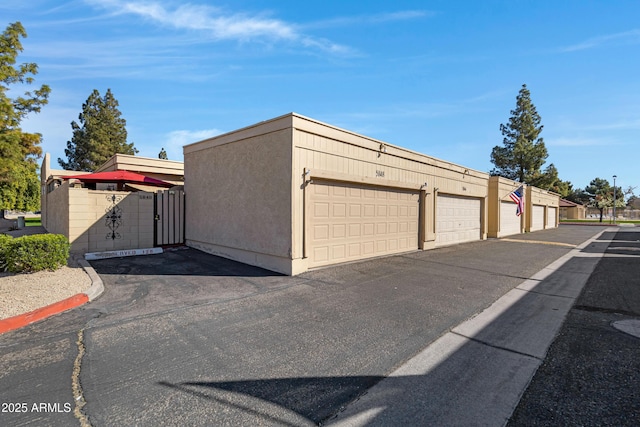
{"type": "Point", "coordinates": [518, 197]}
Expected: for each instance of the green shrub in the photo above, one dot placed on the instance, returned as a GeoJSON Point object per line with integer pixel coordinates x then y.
{"type": "Point", "coordinates": [4, 248]}
{"type": "Point", "coordinates": [37, 252]}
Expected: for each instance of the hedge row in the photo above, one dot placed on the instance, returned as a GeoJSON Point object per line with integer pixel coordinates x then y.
{"type": "Point", "coordinates": [32, 253]}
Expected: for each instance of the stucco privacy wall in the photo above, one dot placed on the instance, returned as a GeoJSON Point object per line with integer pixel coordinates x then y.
{"type": "Point", "coordinates": [80, 214]}
{"type": "Point", "coordinates": [55, 210]}
{"type": "Point", "coordinates": [246, 189]}
{"type": "Point", "coordinates": [238, 200]}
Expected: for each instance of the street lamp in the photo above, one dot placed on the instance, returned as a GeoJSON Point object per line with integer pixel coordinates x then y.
{"type": "Point", "coordinates": [614, 199]}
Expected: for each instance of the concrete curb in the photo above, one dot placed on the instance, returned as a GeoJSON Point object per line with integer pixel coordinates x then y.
{"type": "Point", "coordinates": [97, 287]}
{"type": "Point", "coordinates": [95, 290]}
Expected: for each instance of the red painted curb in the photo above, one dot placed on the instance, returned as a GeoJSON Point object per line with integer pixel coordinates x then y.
{"type": "Point", "coordinates": [21, 320]}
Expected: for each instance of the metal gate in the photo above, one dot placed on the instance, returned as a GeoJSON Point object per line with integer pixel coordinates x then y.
{"type": "Point", "coordinates": [168, 212]}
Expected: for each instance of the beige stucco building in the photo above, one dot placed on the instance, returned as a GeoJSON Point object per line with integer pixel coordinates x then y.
{"type": "Point", "coordinates": [292, 193]}
{"type": "Point", "coordinates": [571, 210]}
{"type": "Point", "coordinates": [540, 208]}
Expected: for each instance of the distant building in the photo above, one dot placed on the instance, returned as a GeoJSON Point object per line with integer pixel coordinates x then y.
{"type": "Point", "coordinates": [571, 210]}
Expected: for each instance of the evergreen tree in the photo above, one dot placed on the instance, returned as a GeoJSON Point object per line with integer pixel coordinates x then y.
{"type": "Point", "coordinates": [549, 180]}
{"type": "Point", "coordinates": [601, 195]}
{"type": "Point", "coordinates": [163, 154]}
{"type": "Point", "coordinates": [523, 152]}
{"type": "Point", "coordinates": [100, 134]}
{"type": "Point", "coordinates": [19, 181]}
{"type": "Point", "coordinates": [578, 196]}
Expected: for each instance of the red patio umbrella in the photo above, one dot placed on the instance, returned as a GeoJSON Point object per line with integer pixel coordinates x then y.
{"type": "Point", "coordinates": [120, 177]}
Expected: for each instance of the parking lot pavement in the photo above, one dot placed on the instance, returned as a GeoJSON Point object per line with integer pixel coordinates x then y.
{"type": "Point", "coordinates": [475, 373]}
{"type": "Point", "coordinates": [189, 338]}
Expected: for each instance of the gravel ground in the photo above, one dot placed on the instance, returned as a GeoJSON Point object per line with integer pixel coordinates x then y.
{"type": "Point", "coordinates": [22, 293]}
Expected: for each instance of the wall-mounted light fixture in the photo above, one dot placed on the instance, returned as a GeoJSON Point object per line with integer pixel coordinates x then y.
{"type": "Point", "coordinates": [383, 148]}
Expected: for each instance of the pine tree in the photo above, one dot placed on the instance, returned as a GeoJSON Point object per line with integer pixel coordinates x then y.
{"type": "Point", "coordinates": [523, 152]}
{"type": "Point", "coordinates": [19, 182]}
{"type": "Point", "coordinates": [100, 134]}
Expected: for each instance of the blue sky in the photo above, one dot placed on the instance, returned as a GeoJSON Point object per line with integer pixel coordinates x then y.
{"type": "Point", "coordinates": [437, 77]}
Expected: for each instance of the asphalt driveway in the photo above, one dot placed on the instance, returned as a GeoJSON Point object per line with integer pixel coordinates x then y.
{"type": "Point", "coordinates": [188, 338]}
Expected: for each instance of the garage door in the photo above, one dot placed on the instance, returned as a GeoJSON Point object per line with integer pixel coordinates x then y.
{"type": "Point", "coordinates": [348, 222]}
{"type": "Point", "coordinates": [551, 217]}
{"type": "Point", "coordinates": [509, 221]}
{"type": "Point", "coordinates": [457, 220]}
{"type": "Point", "coordinates": [537, 220]}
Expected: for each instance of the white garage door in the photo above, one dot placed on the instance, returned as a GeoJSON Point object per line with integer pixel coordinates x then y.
{"type": "Point", "coordinates": [509, 221]}
{"type": "Point", "coordinates": [457, 220]}
{"type": "Point", "coordinates": [348, 222]}
{"type": "Point", "coordinates": [537, 221]}
{"type": "Point", "coordinates": [551, 217]}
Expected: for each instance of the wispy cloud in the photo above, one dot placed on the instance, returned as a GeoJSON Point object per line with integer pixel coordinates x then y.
{"type": "Point", "coordinates": [176, 139]}
{"type": "Point", "coordinates": [617, 125]}
{"type": "Point", "coordinates": [160, 57]}
{"type": "Point", "coordinates": [429, 110]}
{"type": "Point", "coordinates": [602, 127]}
{"type": "Point", "coordinates": [219, 24]}
{"type": "Point", "coordinates": [623, 38]}
{"type": "Point", "coordinates": [369, 19]}
{"type": "Point", "coordinates": [577, 142]}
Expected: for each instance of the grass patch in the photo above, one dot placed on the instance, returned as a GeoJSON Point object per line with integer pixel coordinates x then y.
{"type": "Point", "coordinates": [604, 221]}
{"type": "Point", "coordinates": [32, 222]}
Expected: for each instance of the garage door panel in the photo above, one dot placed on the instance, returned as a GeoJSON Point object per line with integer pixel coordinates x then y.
{"type": "Point", "coordinates": [321, 254]}
{"type": "Point", "coordinates": [509, 221]}
{"type": "Point", "coordinates": [339, 210]}
{"type": "Point", "coordinates": [354, 250]}
{"type": "Point", "coordinates": [537, 220]}
{"type": "Point", "coordinates": [321, 210]}
{"type": "Point", "coordinates": [368, 229]}
{"type": "Point", "coordinates": [551, 217]}
{"type": "Point", "coordinates": [321, 232]}
{"type": "Point", "coordinates": [369, 211]}
{"type": "Point", "coordinates": [339, 231]}
{"type": "Point", "coordinates": [367, 248]}
{"type": "Point", "coordinates": [348, 222]}
{"type": "Point", "coordinates": [458, 220]}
